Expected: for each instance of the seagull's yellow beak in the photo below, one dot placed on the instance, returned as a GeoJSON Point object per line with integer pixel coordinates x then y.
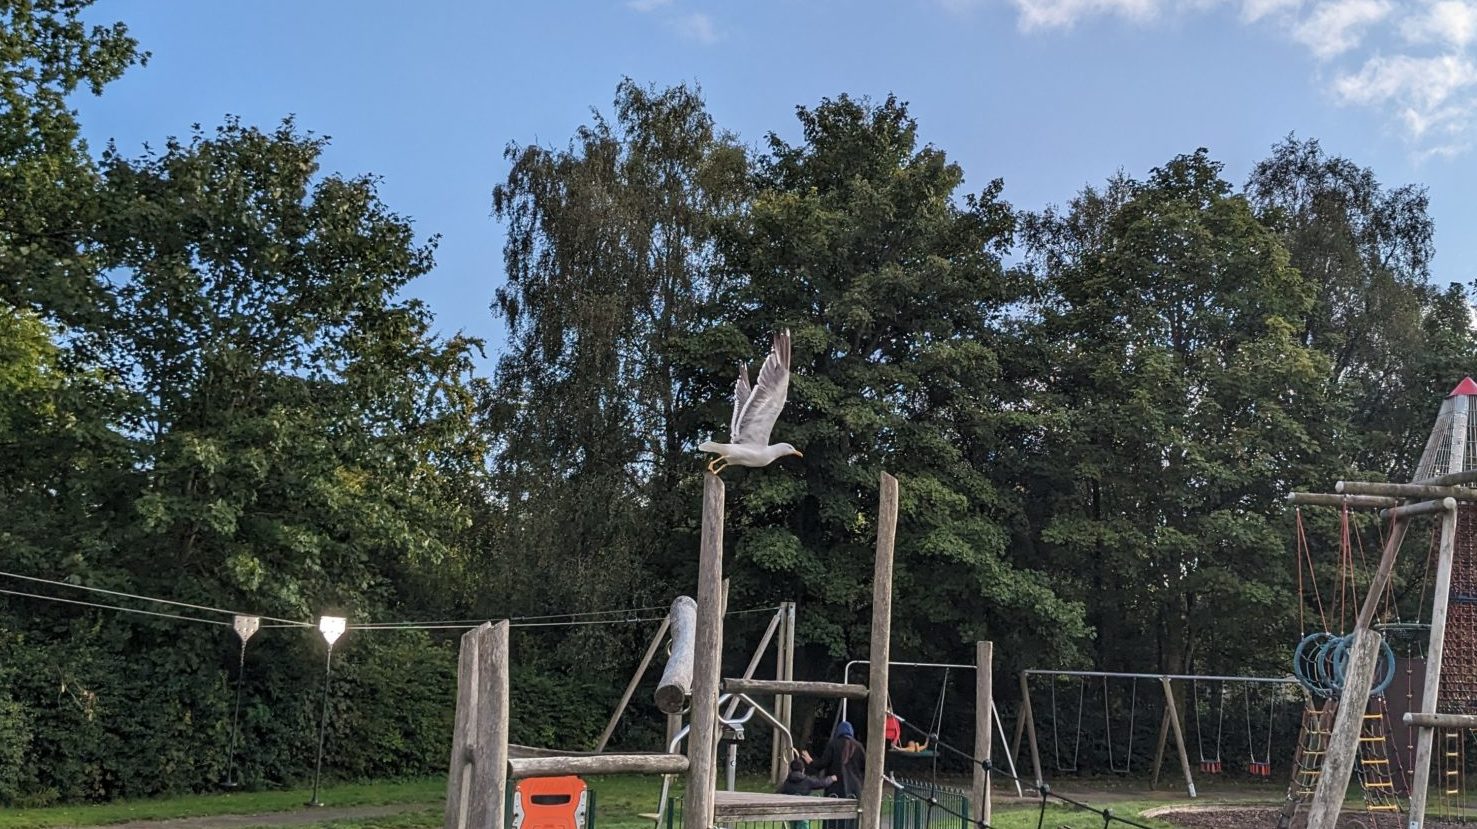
{"type": "Point", "coordinates": [799, 454]}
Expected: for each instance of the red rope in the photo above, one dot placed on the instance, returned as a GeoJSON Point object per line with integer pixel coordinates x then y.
{"type": "Point", "coordinates": [1307, 555]}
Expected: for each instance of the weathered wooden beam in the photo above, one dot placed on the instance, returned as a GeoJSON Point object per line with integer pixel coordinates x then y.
{"type": "Point", "coordinates": [829, 690]}
{"type": "Point", "coordinates": [521, 769]}
{"type": "Point", "coordinates": [478, 779]}
{"type": "Point", "coordinates": [1343, 741]}
{"type": "Point", "coordinates": [979, 789]}
{"type": "Point", "coordinates": [620, 707]}
{"type": "Point", "coordinates": [702, 738]}
{"type": "Point", "coordinates": [1452, 478]}
{"type": "Point", "coordinates": [870, 806]}
{"type": "Point", "coordinates": [1330, 499]}
{"type": "Point", "coordinates": [1419, 508]}
{"type": "Point", "coordinates": [774, 623]}
{"type": "Point", "coordinates": [1029, 719]}
{"type": "Point", "coordinates": [1420, 720]}
{"type": "Point", "coordinates": [1179, 735]}
{"type": "Point", "coordinates": [1429, 696]}
{"type": "Point", "coordinates": [676, 682]}
{"type": "Point", "coordinates": [1425, 492]}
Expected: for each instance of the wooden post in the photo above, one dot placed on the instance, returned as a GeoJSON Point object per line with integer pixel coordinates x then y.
{"type": "Point", "coordinates": [983, 720]}
{"type": "Point", "coordinates": [764, 641]}
{"type": "Point", "coordinates": [620, 708]}
{"type": "Point", "coordinates": [1179, 736]}
{"type": "Point", "coordinates": [879, 654]}
{"type": "Point", "coordinates": [1343, 741]}
{"type": "Point", "coordinates": [1426, 735]}
{"type": "Point", "coordinates": [702, 739]}
{"type": "Point", "coordinates": [675, 685]}
{"type": "Point", "coordinates": [1030, 721]}
{"type": "Point", "coordinates": [477, 782]}
{"type": "Point", "coordinates": [1159, 748]}
{"type": "Point", "coordinates": [784, 670]}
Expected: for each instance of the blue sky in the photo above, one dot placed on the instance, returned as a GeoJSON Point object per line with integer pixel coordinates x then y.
{"type": "Point", "coordinates": [1048, 94]}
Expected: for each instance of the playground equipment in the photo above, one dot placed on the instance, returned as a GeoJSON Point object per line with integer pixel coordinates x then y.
{"type": "Point", "coordinates": [1441, 488]}
{"type": "Point", "coordinates": [1169, 723]}
{"type": "Point", "coordinates": [483, 762]}
{"type": "Point", "coordinates": [896, 724]}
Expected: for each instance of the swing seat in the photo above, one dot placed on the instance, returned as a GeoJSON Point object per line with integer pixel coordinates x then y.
{"type": "Point", "coordinates": [1259, 769]}
{"type": "Point", "coordinates": [1210, 766]}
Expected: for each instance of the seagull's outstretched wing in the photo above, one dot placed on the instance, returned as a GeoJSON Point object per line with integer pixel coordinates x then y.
{"type": "Point", "coordinates": [754, 422]}
{"type": "Point", "coordinates": [741, 394]}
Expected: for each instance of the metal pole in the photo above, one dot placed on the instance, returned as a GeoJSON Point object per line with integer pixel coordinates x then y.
{"type": "Point", "coordinates": [322, 726]}
{"type": "Point", "coordinates": [235, 718]}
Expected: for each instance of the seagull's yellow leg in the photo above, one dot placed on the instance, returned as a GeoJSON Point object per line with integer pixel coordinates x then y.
{"type": "Point", "coordinates": [723, 467]}
{"type": "Point", "coordinates": [713, 463]}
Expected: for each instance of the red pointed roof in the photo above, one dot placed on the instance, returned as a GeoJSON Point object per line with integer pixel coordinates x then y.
{"type": "Point", "coordinates": [1467, 387]}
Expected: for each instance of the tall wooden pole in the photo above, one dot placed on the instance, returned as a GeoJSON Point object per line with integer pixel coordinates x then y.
{"type": "Point", "coordinates": [702, 740]}
{"type": "Point", "coordinates": [984, 697]}
{"type": "Point", "coordinates": [784, 670]}
{"type": "Point", "coordinates": [1343, 742]}
{"type": "Point", "coordinates": [478, 780]}
{"type": "Point", "coordinates": [879, 654]}
{"type": "Point", "coordinates": [1429, 696]}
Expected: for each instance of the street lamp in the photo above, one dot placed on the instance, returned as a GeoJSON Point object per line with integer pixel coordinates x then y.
{"type": "Point", "coordinates": [245, 627]}
{"type": "Point", "coordinates": [332, 627]}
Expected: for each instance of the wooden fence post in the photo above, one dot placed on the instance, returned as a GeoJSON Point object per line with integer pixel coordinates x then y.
{"type": "Point", "coordinates": [477, 781]}
{"type": "Point", "coordinates": [702, 738]}
{"type": "Point", "coordinates": [879, 654]}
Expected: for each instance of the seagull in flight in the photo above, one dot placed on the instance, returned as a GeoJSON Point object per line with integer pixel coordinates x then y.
{"type": "Point", "coordinates": [755, 409]}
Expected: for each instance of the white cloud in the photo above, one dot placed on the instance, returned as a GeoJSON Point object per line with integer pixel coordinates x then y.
{"type": "Point", "coordinates": [1336, 26]}
{"type": "Point", "coordinates": [696, 26]}
{"type": "Point", "coordinates": [1453, 22]}
{"type": "Point", "coordinates": [1254, 10]}
{"type": "Point", "coordinates": [1427, 94]}
{"type": "Point", "coordinates": [1049, 14]}
{"type": "Point", "coordinates": [647, 5]}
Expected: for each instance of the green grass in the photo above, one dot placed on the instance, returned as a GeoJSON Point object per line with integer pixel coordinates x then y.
{"type": "Point", "coordinates": [428, 790]}
{"type": "Point", "coordinates": [620, 802]}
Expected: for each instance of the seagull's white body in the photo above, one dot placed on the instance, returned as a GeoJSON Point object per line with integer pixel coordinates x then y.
{"type": "Point", "coordinates": [755, 409]}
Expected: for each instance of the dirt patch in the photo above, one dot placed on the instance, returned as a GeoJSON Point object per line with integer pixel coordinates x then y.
{"type": "Point", "coordinates": [1265, 817]}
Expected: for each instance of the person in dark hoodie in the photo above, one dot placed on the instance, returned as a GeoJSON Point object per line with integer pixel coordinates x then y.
{"type": "Point", "coordinates": [844, 760]}
{"type": "Point", "coordinates": [800, 783]}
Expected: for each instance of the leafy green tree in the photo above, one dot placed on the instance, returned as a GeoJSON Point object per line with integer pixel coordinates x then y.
{"type": "Point", "coordinates": [1366, 250]}
{"type": "Point", "coordinates": [1182, 402]}
{"type": "Point", "coordinates": [861, 242]}
{"type": "Point", "coordinates": [47, 179]}
{"type": "Point", "coordinates": [610, 260]}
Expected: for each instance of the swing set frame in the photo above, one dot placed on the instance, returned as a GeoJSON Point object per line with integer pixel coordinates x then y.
{"type": "Point", "coordinates": [1010, 752]}
{"type": "Point", "coordinates": [1169, 723]}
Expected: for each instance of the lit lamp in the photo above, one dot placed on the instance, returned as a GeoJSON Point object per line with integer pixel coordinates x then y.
{"type": "Point", "coordinates": [332, 627]}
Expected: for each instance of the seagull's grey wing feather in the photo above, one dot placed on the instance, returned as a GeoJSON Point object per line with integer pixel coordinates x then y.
{"type": "Point", "coordinates": [763, 408]}
{"type": "Point", "coordinates": [741, 393]}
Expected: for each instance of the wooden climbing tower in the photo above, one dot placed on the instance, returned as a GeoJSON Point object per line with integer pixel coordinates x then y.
{"type": "Point", "coordinates": [1358, 737]}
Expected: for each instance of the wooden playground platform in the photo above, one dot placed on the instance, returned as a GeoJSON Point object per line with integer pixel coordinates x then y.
{"type": "Point", "coordinates": [755, 806]}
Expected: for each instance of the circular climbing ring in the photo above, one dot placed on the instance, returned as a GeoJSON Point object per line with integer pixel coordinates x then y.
{"type": "Point", "coordinates": [1306, 664]}
{"type": "Point", "coordinates": [1381, 680]}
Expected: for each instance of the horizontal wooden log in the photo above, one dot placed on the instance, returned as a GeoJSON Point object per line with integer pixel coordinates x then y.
{"type": "Point", "coordinates": [1441, 720]}
{"type": "Point", "coordinates": [835, 690]}
{"type": "Point", "coordinates": [746, 807]}
{"type": "Point", "coordinates": [1329, 499]}
{"type": "Point", "coordinates": [1419, 508]}
{"type": "Point", "coordinates": [1452, 478]}
{"type": "Point", "coordinates": [676, 682]}
{"type": "Point", "coordinates": [1425, 492]}
{"type": "Point", "coordinates": [522, 768]}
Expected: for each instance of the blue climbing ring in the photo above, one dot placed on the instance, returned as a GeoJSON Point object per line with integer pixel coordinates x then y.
{"type": "Point", "coordinates": [1341, 665]}
{"type": "Point", "coordinates": [1306, 663]}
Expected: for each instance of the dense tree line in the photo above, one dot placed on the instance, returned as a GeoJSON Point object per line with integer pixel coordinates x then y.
{"type": "Point", "coordinates": [214, 389]}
